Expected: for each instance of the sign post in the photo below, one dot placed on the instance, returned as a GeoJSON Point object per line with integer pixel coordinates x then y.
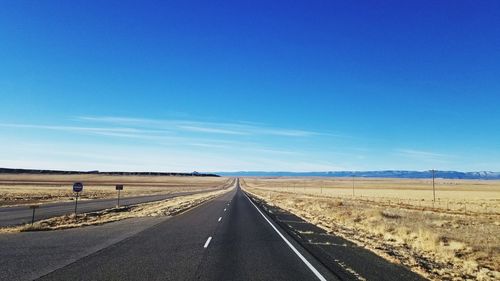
{"type": "Point", "coordinates": [33, 217]}
{"type": "Point", "coordinates": [119, 187]}
{"type": "Point", "coordinates": [77, 187]}
{"type": "Point", "coordinates": [434, 185]}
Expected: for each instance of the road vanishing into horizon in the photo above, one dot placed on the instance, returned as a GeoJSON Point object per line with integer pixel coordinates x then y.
{"type": "Point", "coordinates": [230, 237]}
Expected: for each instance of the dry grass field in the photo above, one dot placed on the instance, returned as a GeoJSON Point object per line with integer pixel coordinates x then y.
{"type": "Point", "coordinates": [479, 196]}
{"type": "Point", "coordinates": [456, 239]}
{"type": "Point", "coordinates": [18, 189]}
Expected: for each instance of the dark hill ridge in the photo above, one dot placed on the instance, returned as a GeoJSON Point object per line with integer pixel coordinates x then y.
{"type": "Point", "coordinates": [372, 174]}
{"type": "Point", "coordinates": [58, 172]}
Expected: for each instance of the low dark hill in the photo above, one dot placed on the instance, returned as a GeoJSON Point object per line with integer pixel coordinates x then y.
{"type": "Point", "coordinates": [59, 172]}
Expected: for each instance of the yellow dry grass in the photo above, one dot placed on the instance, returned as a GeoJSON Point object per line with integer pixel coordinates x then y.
{"type": "Point", "coordinates": [167, 207]}
{"type": "Point", "coordinates": [440, 243]}
{"type": "Point", "coordinates": [18, 189]}
{"type": "Point", "coordinates": [479, 196]}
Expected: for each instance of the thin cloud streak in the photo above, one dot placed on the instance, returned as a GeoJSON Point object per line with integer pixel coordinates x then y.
{"type": "Point", "coordinates": [158, 137]}
{"type": "Point", "coordinates": [192, 128]}
{"type": "Point", "coordinates": [247, 146]}
{"type": "Point", "coordinates": [80, 129]}
{"type": "Point", "coordinates": [204, 127]}
{"type": "Point", "coordinates": [423, 155]}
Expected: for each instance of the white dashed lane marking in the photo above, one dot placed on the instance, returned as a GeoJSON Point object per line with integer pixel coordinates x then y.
{"type": "Point", "coordinates": [208, 242]}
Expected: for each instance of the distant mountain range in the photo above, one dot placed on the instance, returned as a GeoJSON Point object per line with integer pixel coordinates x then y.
{"type": "Point", "coordinates": [371, 174]}
{"type": "Point", "coordinates": [367, 174]}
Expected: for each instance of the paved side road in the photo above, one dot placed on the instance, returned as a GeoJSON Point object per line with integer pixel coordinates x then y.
{"type": "Point", "coordinates": [22, 214]}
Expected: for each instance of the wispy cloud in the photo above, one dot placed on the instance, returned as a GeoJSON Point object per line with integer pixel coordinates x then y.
{"type": "Point", "coordinates": [423, 155]}
{"type": "Point", "coordinates": [133, 133]}
{"type": "Point", "coordinates": [245, 128]}
{"type": "Point", "coordinates": [181, 143]}
{"type": "Point", "coordinates": [159, 137]}
{"type": "Point", "coordinates": [193, 128]}
{"type": "Point", "coordinates": [79, 129]}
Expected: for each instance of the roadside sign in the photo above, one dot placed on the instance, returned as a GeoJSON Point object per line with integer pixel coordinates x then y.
{"type": "Point", "coordinates": [119, 187]}
{"type": "Point", "coordinates": [77, 187]}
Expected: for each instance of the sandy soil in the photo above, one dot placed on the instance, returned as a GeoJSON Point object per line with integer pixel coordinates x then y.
{"type": "Point", "coordinates": [438, 243]}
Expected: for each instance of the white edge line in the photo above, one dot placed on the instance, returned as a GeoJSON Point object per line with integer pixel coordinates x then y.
{"type": "Point", "coordinates": [220, 219]}
{"type": "Point", "coordinates": [304, 260]}
{"type": "Point", "coordinates": [208, 242]}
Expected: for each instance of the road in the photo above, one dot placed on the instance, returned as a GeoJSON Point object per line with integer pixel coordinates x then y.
{"type": "Point", "coordinates": [22, 214]}
{"type": "Point", "coordinates": [227, 238]}
{"type": "Point", "coordinates": [224, 239]}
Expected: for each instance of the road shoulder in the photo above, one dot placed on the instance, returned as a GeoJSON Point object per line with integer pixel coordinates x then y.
{"type": "Point", "coordinates": [342, 257]}
{"type": "Point", "coordinates": [29, 255]}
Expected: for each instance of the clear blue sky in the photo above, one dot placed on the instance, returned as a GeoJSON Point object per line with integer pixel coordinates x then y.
{"type": "Point", "coordinates": [250, 85]}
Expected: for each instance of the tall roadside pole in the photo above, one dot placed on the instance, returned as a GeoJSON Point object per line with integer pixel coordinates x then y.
{"type": "Point", "coordinates": [119, 187]}
{"type": "Point", "coordinates": [77, 188]}
{"type": "Point", "coordinates": [434, 185]}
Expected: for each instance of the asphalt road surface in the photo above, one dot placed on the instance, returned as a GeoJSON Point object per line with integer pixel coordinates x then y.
{"type": "Point", "coordinates": [22, 214]}
{"type": "Point", "coordinates": [227, 238]}
{"type": "Point", "coordinates": [29, 255]}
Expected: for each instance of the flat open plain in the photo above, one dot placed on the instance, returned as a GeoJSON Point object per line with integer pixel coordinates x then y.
{"type": "Point", "coordinates": [230, 237]}
{"type": "Point", "coordinates": [269, 228]}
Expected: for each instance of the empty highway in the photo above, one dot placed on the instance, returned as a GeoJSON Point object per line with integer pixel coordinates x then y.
{"type": "Point", "coordinates": [227, 238]}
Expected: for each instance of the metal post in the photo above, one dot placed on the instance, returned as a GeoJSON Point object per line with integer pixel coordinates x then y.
{"type": "Point", "coordinates": [33, 217]}
{"type": "Point", "coordinates": [118, 198]}
{"type": "Point", "coordinates": [433, 185]}
{"type": "Point", "coordinates": [76, 202]}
